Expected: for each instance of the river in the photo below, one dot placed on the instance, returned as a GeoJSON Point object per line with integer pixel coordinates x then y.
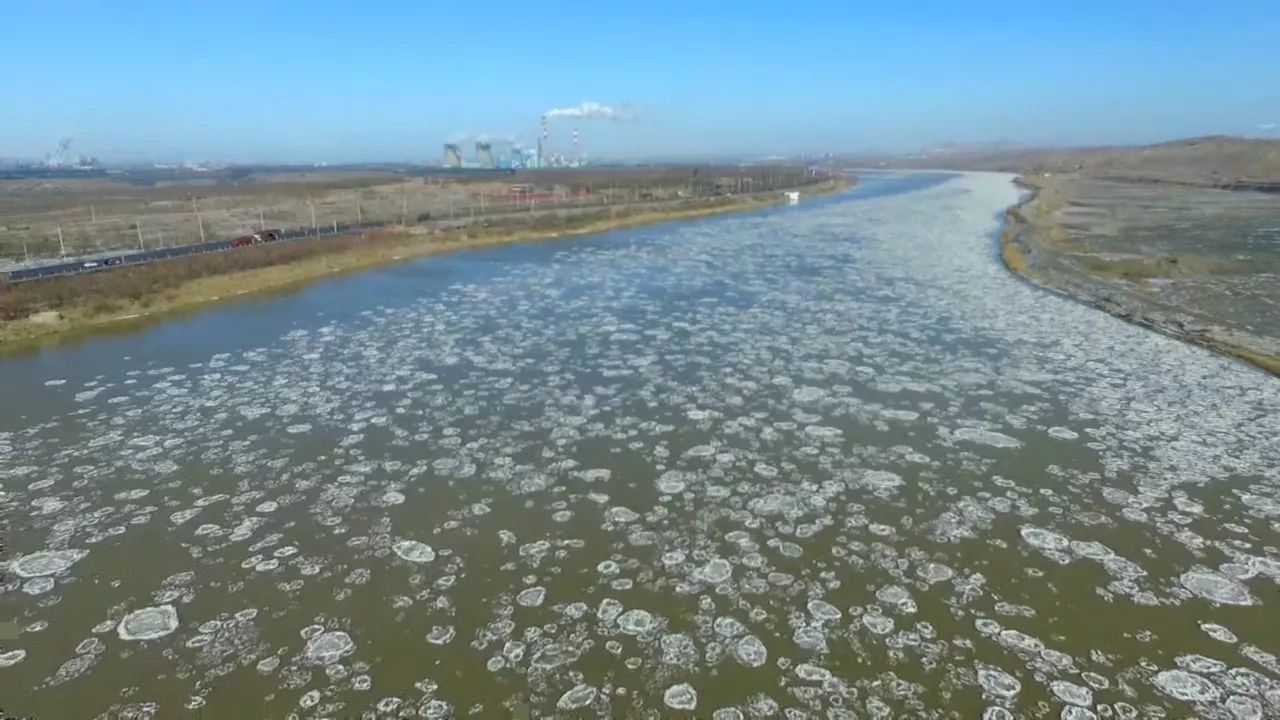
{"type": "Point", "coordinates": [825, 461]}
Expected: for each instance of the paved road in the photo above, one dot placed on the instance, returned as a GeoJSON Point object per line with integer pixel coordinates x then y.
{"type": "Point", "coordinates": [80, 267]}
{"type": "Point", "coordinates": [110, 261]}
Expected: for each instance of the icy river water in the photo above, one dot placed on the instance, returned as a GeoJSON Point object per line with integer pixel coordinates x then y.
{"type": "Point", "coordinates": [829, 461]}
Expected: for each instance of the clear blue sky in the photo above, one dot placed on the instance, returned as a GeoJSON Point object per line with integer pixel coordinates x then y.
{"type": "Point", "coordinates": [359, 80]}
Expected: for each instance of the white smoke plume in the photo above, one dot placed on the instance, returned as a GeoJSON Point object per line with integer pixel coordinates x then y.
{"type": "Point", "coordinates": [592, 110]}
{"type": "Point", "coordinates": [496, 139]}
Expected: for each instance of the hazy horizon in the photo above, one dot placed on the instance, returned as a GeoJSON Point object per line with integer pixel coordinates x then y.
{"type": "Point", "coordinates": [329, 82]}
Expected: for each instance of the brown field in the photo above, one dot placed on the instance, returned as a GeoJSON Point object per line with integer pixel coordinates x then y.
{"type": "Point", "coordinates": [1215, 161]}
{"type": "Point", "coordinates": [1196, 263]}
{"type": "Point", "coordinates": [46, 218]}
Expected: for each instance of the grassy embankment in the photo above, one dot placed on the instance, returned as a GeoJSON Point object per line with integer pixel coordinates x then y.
{"type": "Point", "coordinates": [1033, 211]}
{"type": "Point", "coordinates": [1032, 228]}
{"type": "Point", "coordinates": [50, 310]}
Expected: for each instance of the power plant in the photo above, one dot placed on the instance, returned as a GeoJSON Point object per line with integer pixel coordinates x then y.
{"type": "Point", "coordinates": [489, 154]}
{"type": "Point", "coordinates": [62, 159]}
{"type": "Point", "coordinates": [496, 152]}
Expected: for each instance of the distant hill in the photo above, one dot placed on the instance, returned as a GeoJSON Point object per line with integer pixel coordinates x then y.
{"type": "Point", "coordinates": [1214, 160]}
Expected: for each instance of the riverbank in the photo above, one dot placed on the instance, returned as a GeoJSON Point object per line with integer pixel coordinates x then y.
{"type": "Point", "coordinates": [46, 312]}
{"type": "Point", "coordinates": [1183, 261]}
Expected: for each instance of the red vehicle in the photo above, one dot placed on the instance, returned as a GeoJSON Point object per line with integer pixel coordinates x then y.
{"type": "Point", "coordinates": [264, 236]}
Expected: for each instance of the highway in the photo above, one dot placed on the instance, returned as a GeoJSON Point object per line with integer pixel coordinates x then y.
{"type": "Point", "coordinates": [141, 257]}
{"type": "Point", "coordinates": [112, 261]}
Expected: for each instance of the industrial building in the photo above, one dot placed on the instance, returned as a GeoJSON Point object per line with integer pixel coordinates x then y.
{"type": "Point", "coordinates": [452, 156]}
{"type": "Point", "coordinates": [484, 154]}
{"type": "Point", "coordinates": [506, 153]}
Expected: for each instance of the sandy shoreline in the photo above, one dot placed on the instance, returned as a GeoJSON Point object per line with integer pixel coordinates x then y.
{"type": "Point", "coordinates": [83, 318]}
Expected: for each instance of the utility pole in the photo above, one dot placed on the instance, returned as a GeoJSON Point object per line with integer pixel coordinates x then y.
{"type": "Point", "coordinates": [26, 255]}
{"type": "Point", "coordinates": [138, 224]}
{"type": "Point", "coordinates": [199, 220]}
{"type": "Point", "coordinates": [315, 229]}
{"type": "Point", "coordinates": [61, 243]}
{"type": "Point", "coordinates": [359, 214]}
{"type": "Point", "coordinates": [404, 205]}
{"type": "Point", "coordinates": [262, 222]}
{"type": "Point", "coordinates": [93, 214]}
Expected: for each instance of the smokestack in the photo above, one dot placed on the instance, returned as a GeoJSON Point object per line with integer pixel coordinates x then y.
{"type": "Point", "coordinates": [543, 143]}
{"type": "Point", "coordinates": [577, 149]}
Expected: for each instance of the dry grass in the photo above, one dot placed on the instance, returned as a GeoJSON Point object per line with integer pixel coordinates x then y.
{"type": "Point", "coordinates": [1034, 225]}
{"type": "Point", "coordinates": [138, 284]}
{"type": "Point", "coordinates": [1270, 363]}
{"type": "Point", "coordinates": [1139, 268]}
{"type": "Point", "coordinates": [1011, 251]}
{"type": "Point", "coordinates": [1014, 258]}
{"type": "Point", "coordinates": [1205, 161]}
{"type": "Point", "coordinates": [38, 218]}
